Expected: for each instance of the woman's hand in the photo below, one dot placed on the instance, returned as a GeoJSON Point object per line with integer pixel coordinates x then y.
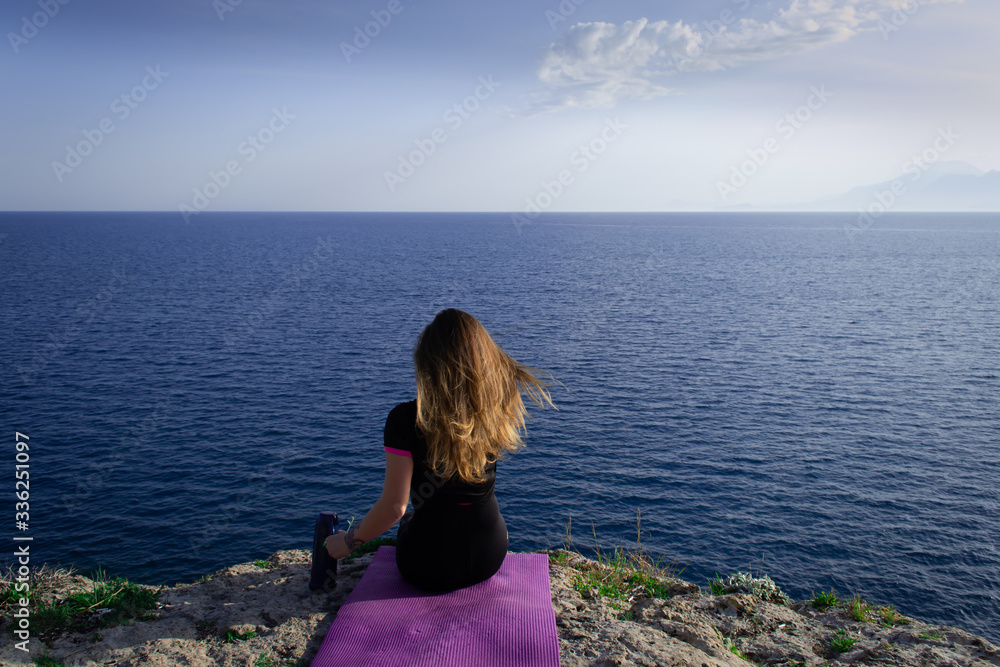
{"type": "Point", "coordinates": [336, 546]}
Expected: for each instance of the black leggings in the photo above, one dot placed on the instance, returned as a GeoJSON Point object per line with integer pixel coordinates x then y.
{"type": "Point", "coordinates": [449, 547]}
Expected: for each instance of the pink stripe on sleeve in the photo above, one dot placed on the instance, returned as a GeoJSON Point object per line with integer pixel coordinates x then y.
{"type": "Point", "coordinates": [398, 452]}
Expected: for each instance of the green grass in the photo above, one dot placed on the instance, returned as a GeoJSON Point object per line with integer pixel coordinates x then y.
{"type": "Point", "coordinates": [265, 564]}
{"type": "Point", "coordinates": [10, 596]}
{"type": "Point", "coordinates": [716, 585]}
{"type": "Point", "coordinates": [46, 661]}
{"type": "Point", "coordinates": [107, 603]}
{"type": "Point", "coordinates": [890, 618]}
{"type": "Point", "coordinates": [264, 661]}
{"type": "Point", "coordinates": [639, 559]}
{"type": "Point", "coordinates": [734, 649]}
{"type": "Point", "coordinates": [369, 547]}
{"type": "Point", "coordinates": [561, 558]}
{"type": "Point", "coordinates": [824, 600]}
{"type": "Point", "coordinates": [842, 641]}
{"type": "Point", "coordinates": [621, 578]}
{"type": "Point", "coordinates": [934, 634]}
{"type": "Point", "coordinates": [624, 574]}
{"type": "Point", "coordinates": [858, 609]}
{"type": "Point", "coordinates": [232, 636]}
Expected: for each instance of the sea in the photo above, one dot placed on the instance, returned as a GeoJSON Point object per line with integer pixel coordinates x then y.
{"type": "Point", "coordinates": [789, 394]}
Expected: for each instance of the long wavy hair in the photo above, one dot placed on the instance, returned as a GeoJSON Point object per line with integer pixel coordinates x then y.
{"type": "Point", "coordinates": [469, 406]}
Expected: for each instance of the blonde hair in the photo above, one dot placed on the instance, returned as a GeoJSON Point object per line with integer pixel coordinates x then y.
{"type": "Point", "coordinates": [469, 405]}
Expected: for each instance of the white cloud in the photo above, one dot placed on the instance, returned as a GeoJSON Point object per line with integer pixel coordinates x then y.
{"type": "Point", "coordinates": [598, 64]}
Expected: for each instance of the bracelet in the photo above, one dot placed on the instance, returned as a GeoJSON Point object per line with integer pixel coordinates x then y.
{"type": "Point", "coordinates": [351, 541]}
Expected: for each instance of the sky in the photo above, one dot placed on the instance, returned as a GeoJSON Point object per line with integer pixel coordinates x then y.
{"type": "Point", "coordinates": [548, 105]}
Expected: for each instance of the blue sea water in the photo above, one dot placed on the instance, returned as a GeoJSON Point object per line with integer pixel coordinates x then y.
{"type": "Point", "coordinates": [768, 392]}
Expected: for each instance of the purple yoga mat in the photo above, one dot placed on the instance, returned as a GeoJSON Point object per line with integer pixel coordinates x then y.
{"type": "Point", "coordinates": [506, 620]}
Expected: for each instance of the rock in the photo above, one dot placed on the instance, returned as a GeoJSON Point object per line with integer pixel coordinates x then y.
{"type": "Point", "coordinates": [277, 618]}
{"type": "Point", "coordinates": [695, 629]}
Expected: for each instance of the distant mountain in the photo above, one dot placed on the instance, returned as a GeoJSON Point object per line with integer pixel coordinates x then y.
{"type": "Point", "coordinates": [942, 186]}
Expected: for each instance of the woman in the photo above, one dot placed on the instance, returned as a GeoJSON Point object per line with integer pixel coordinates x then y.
{"type": "Point", "coordinates": [441, 452]}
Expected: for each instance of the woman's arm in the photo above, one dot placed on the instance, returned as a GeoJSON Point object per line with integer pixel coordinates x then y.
{"type": "Point", "coordinates": [389, 508]}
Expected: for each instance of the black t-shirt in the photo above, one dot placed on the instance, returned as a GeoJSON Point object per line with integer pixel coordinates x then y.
{"type": "Point", "coordinates": [402, 438]}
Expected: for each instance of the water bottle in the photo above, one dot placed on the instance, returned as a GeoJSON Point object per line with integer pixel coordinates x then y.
{"type": "Point", "coordinates": [324, 568]}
